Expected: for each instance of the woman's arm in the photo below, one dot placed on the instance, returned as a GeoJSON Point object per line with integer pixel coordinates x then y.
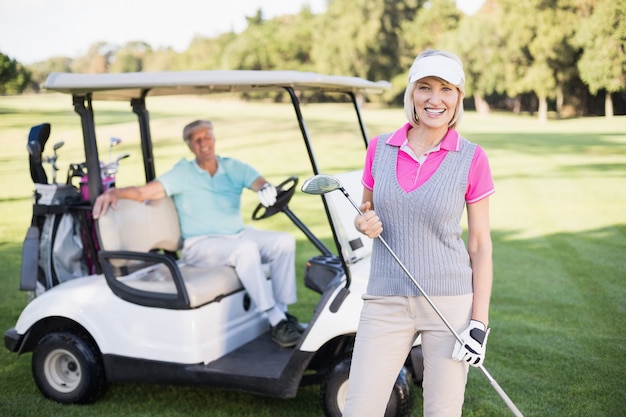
{"type": "Point", "coordinates": [480, 252]}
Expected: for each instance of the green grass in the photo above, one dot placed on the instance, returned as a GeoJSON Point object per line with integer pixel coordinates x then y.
{"type": "Point", "coordinates": [559, 230]}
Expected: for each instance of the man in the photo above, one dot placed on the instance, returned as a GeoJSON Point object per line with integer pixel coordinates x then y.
{"type": "Point", "coordinates": [207, 194]}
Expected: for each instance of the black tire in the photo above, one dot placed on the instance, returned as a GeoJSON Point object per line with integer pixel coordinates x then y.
{"type": "Point", "coordinates": [68, 369]}
{"type": "Point", "coordinates": [334, 389]}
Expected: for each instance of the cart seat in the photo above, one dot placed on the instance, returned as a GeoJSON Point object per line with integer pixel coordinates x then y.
{"type": "Point", "coordinates": [139, 244]}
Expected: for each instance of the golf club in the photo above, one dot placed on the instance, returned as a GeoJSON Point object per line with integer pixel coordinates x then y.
{"type": "Point", "coordinates": [52, 160]}
{"type": "Point", "coordinates": [113, 141]}
{"type": "Point", "coordinates": [322, 184]}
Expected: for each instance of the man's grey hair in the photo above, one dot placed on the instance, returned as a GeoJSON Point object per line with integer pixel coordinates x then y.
{"type": "Point", "coordinates": [195, 125]}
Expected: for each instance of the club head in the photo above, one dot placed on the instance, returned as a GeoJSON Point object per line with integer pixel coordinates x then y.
{"type": "Point", "coordinates": [321, 184]}
{"type": "Point", "coordinates": [115, 141]}
{"type": "Point", "coordinates": [58, 145]}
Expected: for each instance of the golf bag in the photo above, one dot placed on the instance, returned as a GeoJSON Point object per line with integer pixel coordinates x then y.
{"type": "Point", "coordinates": [61, 248]}
{"type": "Point", "coordinates": [54, 247]}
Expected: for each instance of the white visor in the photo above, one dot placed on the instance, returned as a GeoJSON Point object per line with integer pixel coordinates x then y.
{"type": "Point", "coordinates": [437, 66]}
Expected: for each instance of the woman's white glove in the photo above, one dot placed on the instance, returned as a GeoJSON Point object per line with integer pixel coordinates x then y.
{"type": "Point", "coordinates": [267, 194]}
{"type": "Point", "coordinates": [474, 344]}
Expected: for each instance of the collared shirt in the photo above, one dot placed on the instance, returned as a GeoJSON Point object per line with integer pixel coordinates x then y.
{"type": "Point", "coordinates": [414, 170]}
{"type": "Point", "coordinates": [208, 205]}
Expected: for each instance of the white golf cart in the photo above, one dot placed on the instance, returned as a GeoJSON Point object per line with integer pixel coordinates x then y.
{"type": "Point", "coordinates": [135, 313]}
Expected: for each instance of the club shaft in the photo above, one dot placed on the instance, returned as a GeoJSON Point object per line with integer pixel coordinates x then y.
{"type": "Point", "coordinates": [491, 380]}
{"type": "Point", "coordinates": [509, 403]}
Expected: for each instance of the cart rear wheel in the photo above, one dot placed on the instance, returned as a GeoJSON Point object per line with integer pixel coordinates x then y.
{"type": "Point", "coordinates": [334, 390]}
{"type": "Point", "coordinates": [68, 369]}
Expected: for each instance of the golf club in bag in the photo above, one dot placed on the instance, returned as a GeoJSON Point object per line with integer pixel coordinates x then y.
{"type": "Point", "coordinates": [322, 184]}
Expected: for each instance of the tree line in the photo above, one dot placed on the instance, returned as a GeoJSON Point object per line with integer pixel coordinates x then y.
{"type": "Point", "coordinates": [565, 56]}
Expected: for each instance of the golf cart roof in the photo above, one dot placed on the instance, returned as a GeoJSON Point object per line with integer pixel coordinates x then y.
{"type": "Point", "coordinates": [137, 87]}
{"type": "Point", "coordinates": [126, 86]}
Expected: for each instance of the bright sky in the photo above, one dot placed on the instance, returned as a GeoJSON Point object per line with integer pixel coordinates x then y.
{"type": "Point", "coordinates": [35, 30]}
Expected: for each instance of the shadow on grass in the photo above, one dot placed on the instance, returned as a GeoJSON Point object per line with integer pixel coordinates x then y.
{"type": "Point", "coordinates": [546, 143]}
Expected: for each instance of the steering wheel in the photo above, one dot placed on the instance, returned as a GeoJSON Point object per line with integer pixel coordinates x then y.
{"type": "Point", "coordinates": [284, 191]}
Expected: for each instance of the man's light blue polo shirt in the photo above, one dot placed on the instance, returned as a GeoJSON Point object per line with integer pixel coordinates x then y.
{"type": "Point", "coordinates": [208, 204]}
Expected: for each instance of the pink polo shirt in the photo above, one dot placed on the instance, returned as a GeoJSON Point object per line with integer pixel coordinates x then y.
{"type": "Point", "coordinates": [413, 171]}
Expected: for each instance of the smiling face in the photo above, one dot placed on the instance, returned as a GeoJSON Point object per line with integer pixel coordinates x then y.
{"type": "Point", "coordinates": [202, 143]}
{"type": "Point", "coordinates": [435, 102]}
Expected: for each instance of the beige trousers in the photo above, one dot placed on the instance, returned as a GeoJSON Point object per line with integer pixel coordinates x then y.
{"type": "Point", "coordinates": [246, 251]}
{"type": "Point", "coordinates": [386, 332]}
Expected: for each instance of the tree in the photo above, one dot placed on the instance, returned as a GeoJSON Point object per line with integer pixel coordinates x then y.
{"type": "Point", "coordinates": [14, 78]}
{"type": "Point", "coordinates": [41, 70]}
{"type": "Point", "coordinates": [500, 60]}
{"type": "Point", "coordinates": [206, 53]}
{"type": "Point", "coordinates": [478, 46]}
{"type": "Point", "coordinates": [391, 51]}
{"type": "Point", "coordinates": [256, 48]}
{"type": "Point", "coordinates": [163, 59]}
{"type": "Point", "coordinates": [602, 37]}
{"type": "Point", "coordinates": [363, 37]}
{"type": "Point", "coordinates": [339, 47]}
{"type": "Point", "coordinates": [433, 27]}
{"type": "Point", "coordinates": [554, 57]}
{"type": "Point", "coordinates": [130, 58]}
{"type": "Point", "coordinates": [295, 38]}
{"type": "Point", "coordinates": [283, 42]}
{"type": "Point", "coordinates": [97, 60]}
{"type": "Point", "coordinates": [537, 54]}
{"type": "Point", "coordinates": [366, 39]}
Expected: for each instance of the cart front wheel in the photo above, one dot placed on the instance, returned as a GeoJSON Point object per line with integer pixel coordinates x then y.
{"type": "Point", "coordinates": [68, 369]}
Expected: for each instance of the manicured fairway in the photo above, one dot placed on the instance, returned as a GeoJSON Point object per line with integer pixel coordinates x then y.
{"type": "Point", "coordinates": [559, 229]}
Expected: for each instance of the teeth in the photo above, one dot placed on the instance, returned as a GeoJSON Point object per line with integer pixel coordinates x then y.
{"type": "Point", "coordinates": [435, 111]}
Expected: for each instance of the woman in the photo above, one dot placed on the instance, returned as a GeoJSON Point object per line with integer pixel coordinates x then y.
{"type": "Point", "coordinates": [417, 182]}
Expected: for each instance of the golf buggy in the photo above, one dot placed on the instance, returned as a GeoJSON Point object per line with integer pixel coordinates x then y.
{"type": "Point", "coordinates": [118, 305]}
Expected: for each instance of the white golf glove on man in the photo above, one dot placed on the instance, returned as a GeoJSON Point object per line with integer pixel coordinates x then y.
{"type": "Point", "coordinates": [474, 344]}
{"type": "Point", "coordinates": [267, 195]}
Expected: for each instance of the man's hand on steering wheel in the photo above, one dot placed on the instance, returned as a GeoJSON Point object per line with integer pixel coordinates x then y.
{"type": "Point", "coordinates": [282, 194]}
{"type": "Point", "coordinates": [267, 195]}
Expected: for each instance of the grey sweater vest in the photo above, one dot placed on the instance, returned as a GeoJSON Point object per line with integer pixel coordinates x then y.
{"type": "Point", "coordinates": [422, 227]}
